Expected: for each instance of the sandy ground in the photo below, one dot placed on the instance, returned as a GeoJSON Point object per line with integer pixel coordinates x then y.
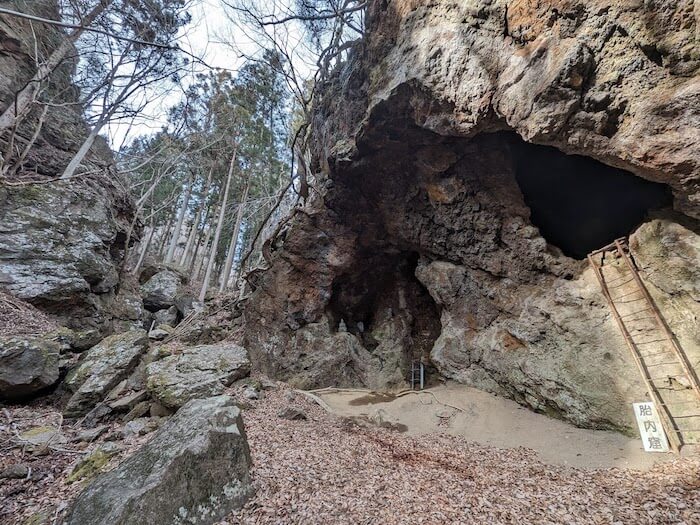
{"type": "Point", "coordinates": [493, 420]}
{"type": "Point", "coordinates": [332, 470]}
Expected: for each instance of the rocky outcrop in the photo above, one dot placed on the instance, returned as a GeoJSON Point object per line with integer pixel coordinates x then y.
{"type": "Point", "coordinates": [196, 372]}
{"type": "Point", "coordinates": [61, 243]}
{"type": "Point", "coordinates": [102, 368]}
{"type": "Point", "coordinates": [27, 366]}
{"type": "Point", "coordinates": [469, 155]}
{"type": "Point", "coordinates": [161, 290]}
{"type": "Point", "coordinates": [194, 470]}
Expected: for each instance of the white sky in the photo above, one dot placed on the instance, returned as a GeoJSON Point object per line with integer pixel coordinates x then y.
{"type": "Point", "coordinates": [200, 38]}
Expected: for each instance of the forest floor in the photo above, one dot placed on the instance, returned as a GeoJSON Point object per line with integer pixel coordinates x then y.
{"type": "Point", "coordinates": [337, 470]}
{"type": "Point", "coordinates": [333, 469]}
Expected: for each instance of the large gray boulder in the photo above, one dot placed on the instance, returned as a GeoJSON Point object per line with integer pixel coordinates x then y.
{"type": "Point", "coordinates": [194, 470]}
{"type": "Point", "coordinates": [197, 372]}
{"type": "Point", "coordinates": [102, 368]}
{"type": "Point", "coordinates": [27, 365]}
{"type": "Point", "coordinates": [159, 291]}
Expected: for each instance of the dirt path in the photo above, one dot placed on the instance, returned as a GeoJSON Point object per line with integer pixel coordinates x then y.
{"type": "Point", "coordinates": [493, 420]}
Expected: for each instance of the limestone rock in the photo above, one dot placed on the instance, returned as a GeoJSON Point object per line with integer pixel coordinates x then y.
{"type": "Point", "coordinates": [102, 368]}
{"type": "Point", "coordinates": [129, 401]}
{"type": "Point", "coordinates": [27, 365]}
{"type": "Point", "coordinates": [197, 372]}
{"type": "Point", "coordinates": [158, 334]}
{"type": "Point", "coordinates": [55, 250]}
{"type": "Point", "coordinates": [186, 304]}
{"type": "Point", "coordinates": [159, 291]}
{"type": "Point", "coordinates": [91, 434]}
{"type": "Point", "coordinates": [166, 316]}
{"type": "Point", "coordinates": [195, 469]}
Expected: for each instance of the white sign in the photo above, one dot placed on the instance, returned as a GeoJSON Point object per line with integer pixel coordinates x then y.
{"type": "Point", "coordinates": [653, 435]}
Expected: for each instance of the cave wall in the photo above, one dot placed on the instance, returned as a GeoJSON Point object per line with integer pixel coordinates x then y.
{"type": "Point", "coordinates": [415, 153]}
{"type": "Point", "coordinates": [61, 242]}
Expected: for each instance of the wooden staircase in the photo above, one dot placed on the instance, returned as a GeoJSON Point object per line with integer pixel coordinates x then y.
{"type": "Point", "coordinates": [671, 381]}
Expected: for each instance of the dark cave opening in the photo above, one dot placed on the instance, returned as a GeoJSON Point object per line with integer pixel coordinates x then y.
{"type": "Point", "coordinates": [580, 204]}
{"type": "Point", "coordinates": [383, 287]}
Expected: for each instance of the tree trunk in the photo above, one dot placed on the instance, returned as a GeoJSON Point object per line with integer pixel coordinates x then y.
{"type": "Point", "coordinates": [196, 266]}
{"type": "Point", "coordinates": [180, 219]}
{"type": "Point", "coordinates": [195, 224]}
{"type": "Point", "coordinates": [164, 237]}
{"type": "Point", "coordinates": [144, 250]}
{"type": "Point", "coordinates": [217, 234]}
{"type": "Point", "coordinates": [234, 238]}
{"type": "Point", "coordinates": [25, 96]}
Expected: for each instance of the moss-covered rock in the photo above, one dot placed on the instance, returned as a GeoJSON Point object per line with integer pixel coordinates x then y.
{"type": "Point", "coordinates": [102, 368]}
{"type": "Point", "coordinates": [92, 464]}
{"type": "Point", "coordinates": [194, 470]}
{"type": "Point", "coordinates": [197, 372]}
{"type": "Point", "coordinates": [27, 365]}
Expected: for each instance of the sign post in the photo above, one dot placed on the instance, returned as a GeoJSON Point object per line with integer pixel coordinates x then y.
{"type": "Point", "coordinates": [653, 435]}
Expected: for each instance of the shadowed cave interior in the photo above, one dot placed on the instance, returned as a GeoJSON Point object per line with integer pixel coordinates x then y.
{"type": "Point", "coordinates": [580, 204]}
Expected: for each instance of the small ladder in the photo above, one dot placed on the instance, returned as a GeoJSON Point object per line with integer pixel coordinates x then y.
{"type": "Point", "coordinates": [417, 375]}
{"type": "Point", "coordinates": [668, 375]}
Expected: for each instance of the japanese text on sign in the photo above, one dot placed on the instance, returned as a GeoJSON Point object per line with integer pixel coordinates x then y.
{"type": "Point", "coordinates": [650, 428]}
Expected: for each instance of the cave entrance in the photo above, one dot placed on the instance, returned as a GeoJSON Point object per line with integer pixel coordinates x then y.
{"type": "Point", "coordinates": [578, 203]}
{"type": "Point", "coordinates": [383, 304]}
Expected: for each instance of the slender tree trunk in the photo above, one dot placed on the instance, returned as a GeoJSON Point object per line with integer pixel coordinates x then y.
{"type": "Point", "coordinates": [89, 141]}
{"type": "Point", "coordinates": [195, 224]}
{"type": "Point", "coordinates": [25, 96]}
{"type": "Point", "coordinates": [234, 238]}
{"type": "Point", "coordinates": [180, 219]}
{"type": "Point", "coordinates": [198, 245]}
{"type": "Point", "coordinates": [217, 234]}
{"type": "Point", "coordinates": [144, 250]}
{"type": "Point", "coordinates": [164, 237]}
{"type": "Point", "coordinates": [196, 265]}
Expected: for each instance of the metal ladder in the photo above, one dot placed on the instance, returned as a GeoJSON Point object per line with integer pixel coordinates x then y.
{"type": "Point", "coordinates": [417, 375]}
{"type": "Point", "coordinates": [668, 375]}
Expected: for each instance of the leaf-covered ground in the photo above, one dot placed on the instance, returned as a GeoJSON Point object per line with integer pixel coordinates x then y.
{"type": "Point", "coordinates": [328, 470]}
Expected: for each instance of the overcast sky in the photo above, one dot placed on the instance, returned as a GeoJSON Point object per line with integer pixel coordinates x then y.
{"type": "Point", "coordinates": [203, 38]}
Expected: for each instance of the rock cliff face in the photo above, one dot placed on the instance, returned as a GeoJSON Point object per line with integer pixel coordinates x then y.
{"type": "Point", "coordinates": [470, 154]}
{"type": "Point", "coordinates": [61, 242]}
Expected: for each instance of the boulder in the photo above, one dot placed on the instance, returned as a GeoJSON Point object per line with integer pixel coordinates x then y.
{"type": "Point", "coordinates": [186, 304]}
{"type": "Point", "coordinates": [102, 368]}
{"type": "Point", "coordinates": [199, 371]}
{"type": "Point", "coordinates": [159, 291]}
{"type": "Point", "coordinates": [195, 469]}
{"type": "Point", "coordinates": [27, 365]}
{"type": "Point", "coordinates": [166, 316]}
